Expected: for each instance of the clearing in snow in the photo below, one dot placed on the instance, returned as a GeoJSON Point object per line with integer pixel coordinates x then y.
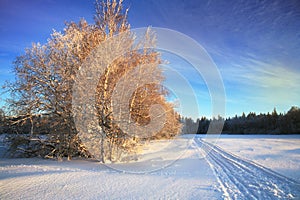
{"type": "Point", "coordinates": [194, 168]}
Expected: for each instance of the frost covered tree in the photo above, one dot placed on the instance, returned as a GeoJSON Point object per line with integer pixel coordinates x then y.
{"type": "Point", "coordinates": [190, 126]}
{"type": "Point", "coordinates": [45, 75]}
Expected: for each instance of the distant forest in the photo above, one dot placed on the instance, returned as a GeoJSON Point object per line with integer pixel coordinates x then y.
{"type": "Point", "coordinates": [252, 123]}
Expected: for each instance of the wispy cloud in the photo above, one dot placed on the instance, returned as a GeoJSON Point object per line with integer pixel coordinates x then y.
{"type": "Point", "coordinates": [262, 74]}
{"type": "Point", "coordinates": [261, 83]}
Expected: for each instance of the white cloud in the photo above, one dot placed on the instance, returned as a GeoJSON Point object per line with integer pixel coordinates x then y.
{"type": "Point", "coordinates": [264, 83]}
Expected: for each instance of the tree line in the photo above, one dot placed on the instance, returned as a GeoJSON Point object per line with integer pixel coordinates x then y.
{"type": "Point", "coordinates": [252, 123]}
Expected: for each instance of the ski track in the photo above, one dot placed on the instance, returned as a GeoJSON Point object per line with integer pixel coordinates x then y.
{"type": "Point", "coordinates": [242, 179]}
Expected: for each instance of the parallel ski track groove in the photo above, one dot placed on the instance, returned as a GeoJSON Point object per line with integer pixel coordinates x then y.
{"type": "Point", "coordinates": [245, 179]}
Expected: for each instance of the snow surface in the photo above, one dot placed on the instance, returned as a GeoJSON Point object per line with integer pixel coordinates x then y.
{"type": "Point", "coordinates": [236, 167]}
{"type": "Point", "coordinates": [280, 153]}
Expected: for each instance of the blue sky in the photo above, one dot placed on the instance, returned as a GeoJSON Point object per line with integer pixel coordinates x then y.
{"type": "Point", "coordinates": [255, 44]}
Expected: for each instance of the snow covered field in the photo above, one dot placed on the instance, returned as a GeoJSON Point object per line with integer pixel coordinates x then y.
{"type": "Point", "coordinates": [280, 153]}
{"type": "Point", "coordinates": [236, 167]}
